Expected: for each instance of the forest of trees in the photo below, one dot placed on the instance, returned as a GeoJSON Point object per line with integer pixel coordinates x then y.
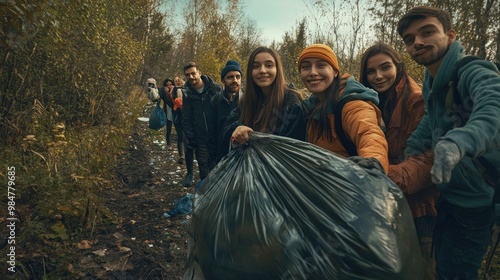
{"type": "Point", "coordinates": [75, 58]}
{"type": "Point", "coordinates": [71, 69]}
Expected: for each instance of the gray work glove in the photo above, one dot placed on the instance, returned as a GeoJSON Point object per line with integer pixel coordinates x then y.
{"type": "Point", "coordinates": [446, 157]}
{"type": "Point", "coordinates": [368, 163]}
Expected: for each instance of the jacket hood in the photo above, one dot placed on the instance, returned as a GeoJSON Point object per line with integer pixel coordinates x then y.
{"type": "Point", "coordinates": [443, 76]}
{"type": "Point", "coordinates": [207, 81]}
{"type": "Point", "coordinates": [352, 91]}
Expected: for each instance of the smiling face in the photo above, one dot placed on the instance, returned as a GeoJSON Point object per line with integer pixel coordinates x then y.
{"type": "Point", "coordinates": [427, 42]}
{"type": "Point", "coordinates": [264, 70]}
{"type": "Point", "coordinates": [193, 76]}
{"type": "Point", "coordinates": [170, 86]}
{"type": "Point", "coordinates": [316, 74]}
{"type": "Point", "coordinates": [178, 82]}
{"type": "Point", "coordinates": [381, 72]}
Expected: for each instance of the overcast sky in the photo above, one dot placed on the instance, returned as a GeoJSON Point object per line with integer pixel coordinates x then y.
{"type": "Point", "coordinates": [275, 17]}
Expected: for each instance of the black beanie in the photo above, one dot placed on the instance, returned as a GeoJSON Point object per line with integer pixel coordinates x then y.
{"type": "Point", "coordinates": [231, 65]}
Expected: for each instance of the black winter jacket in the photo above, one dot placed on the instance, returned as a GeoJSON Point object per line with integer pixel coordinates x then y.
{"type": "Point", "coordinates": [167, 100]}
{"type": "Point", "coordinates": [220, 108]}
{"type": "Point", "coordinates": [292, 119]}
{"type": "Point", "coordinates": [196, 108]}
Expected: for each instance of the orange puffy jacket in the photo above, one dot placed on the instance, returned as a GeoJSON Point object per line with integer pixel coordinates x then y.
{"type": "Point", "coordinates": [361, 121]}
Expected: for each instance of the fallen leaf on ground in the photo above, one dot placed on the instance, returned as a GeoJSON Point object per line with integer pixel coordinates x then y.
{"type": "Point", "coordinates": [84, 244]}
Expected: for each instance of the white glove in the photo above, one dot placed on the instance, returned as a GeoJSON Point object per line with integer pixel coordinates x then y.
{"type": "Point", "coordinates": [446, 157]}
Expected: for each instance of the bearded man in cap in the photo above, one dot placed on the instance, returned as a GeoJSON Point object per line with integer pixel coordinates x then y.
{"type": "Point", "coordinates": [220, 107]}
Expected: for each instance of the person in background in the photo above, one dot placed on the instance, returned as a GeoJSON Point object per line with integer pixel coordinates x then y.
{"type": "Point", "coordinates": [402, 107]}
{"type": "Point", "coordinates": [268, 104]}
{"type": "Point", "coordinates": [464, 206]}
{"type": "Point", "coordinates": [195, 108]}
{"type": "Point", "coordinates": [221, 105]}
{"type": "Point", "coordinates": [168, 105]}
{"type": "Point", "coordinates": [151, 90]}
{"type": "Point", "coordinates": [361, 118]}
{"type": "Point", "coordinates": [177, 95]}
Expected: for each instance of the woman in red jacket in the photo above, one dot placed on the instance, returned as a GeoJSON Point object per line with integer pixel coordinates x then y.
{"type": "Point", "coordinates": [402, 108]}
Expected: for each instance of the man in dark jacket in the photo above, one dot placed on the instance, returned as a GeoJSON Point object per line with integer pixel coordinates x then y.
{"type": "Point", "coordinates": [221, 105]}
{"type": "Point", "coordinates": [196, 106]}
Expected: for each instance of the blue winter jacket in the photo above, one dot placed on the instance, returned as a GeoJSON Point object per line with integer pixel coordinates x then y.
{"type": "Point", "coordinates": [479, 87]}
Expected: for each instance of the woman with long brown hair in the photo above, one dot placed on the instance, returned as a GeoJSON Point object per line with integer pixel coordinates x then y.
{"type": "Point", "coordinates": [402, 107]}
{"type": "Point", "coordinates": [268, 104]}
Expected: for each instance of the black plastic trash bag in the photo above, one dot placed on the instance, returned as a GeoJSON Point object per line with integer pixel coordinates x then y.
{"type": "Point", "coordinates": [157, 118]}
{"type": "Point", "coordinates": [279, 208]}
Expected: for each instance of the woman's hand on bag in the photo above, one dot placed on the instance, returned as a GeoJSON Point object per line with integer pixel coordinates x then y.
{"type": "Point", "coordinates": [240, 135]}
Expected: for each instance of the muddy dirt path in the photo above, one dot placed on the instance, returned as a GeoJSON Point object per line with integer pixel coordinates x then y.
{"type": "Point", "coordinates": [142, 244]}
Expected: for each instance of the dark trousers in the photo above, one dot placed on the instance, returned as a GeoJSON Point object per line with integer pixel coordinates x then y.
{"type": "Point", "coordinates": [201, 152]}
{"type": "Point", "coordinates": [168, 134]}
{"type": "Point", "coordinates": [180, 138]}
{"type": "Point", "coordinates": [461, 239]}
{"type": "Point", "coordinates": [425, 227]}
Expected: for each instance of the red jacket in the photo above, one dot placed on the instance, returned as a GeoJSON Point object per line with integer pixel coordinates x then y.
{"type": "Point", "coordinates": [413, 175]}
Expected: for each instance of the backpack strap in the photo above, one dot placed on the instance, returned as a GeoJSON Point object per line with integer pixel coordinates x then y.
{"type": "Point", "coordinates": [348, 144]}
{"type": "Point", "coordinates": [453, 100]}
{"type": "Point", "coordinates": [489, 171]}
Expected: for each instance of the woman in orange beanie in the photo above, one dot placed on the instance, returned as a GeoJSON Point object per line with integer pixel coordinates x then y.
{"type": "Point", "coordinates": [343, 115]}
{"type": "Point", "coordinates": [402, 107]}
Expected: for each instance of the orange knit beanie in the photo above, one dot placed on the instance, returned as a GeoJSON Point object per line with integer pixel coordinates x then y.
{"type": "Point", "coordinates": [320, 51]}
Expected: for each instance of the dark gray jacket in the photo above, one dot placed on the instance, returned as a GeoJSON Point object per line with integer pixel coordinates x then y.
{"type": "Point", "coordinates": [220, 108]}
{"type": "Point", "coordinates": [196, 108]}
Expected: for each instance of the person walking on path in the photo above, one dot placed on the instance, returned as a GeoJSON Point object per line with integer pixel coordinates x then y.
{"type": "Point", "coordinates": [178, 93]}
{"type": "Point", "coordinates": [168, 105]}
{"type": "Point", "coordinates": [196, 105]}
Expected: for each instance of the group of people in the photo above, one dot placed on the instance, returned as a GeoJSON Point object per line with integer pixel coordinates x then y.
{"type": "Point", "coordinates": [384, 121]}
{"type": "Point", "coordinates": [171, 93]}
{"type": "Point", "coordinates": [198, 108]}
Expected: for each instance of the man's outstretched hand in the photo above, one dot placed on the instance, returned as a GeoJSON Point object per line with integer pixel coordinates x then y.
{"type": "Point", "coordinates": [446, 157]}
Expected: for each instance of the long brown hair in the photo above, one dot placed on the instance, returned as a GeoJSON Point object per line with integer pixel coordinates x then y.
{"type": "Point", "coordinates": [390, 101]}
{"type": "Point", "coordinates": [259, 111]}
{"type": "Point", "coordinates": [321, 128]}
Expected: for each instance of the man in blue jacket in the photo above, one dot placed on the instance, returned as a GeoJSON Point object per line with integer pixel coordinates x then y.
{"type": "Point", "coordinates": [196, 107]}
{"type": "Point", "coordinates": [464, 206]}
